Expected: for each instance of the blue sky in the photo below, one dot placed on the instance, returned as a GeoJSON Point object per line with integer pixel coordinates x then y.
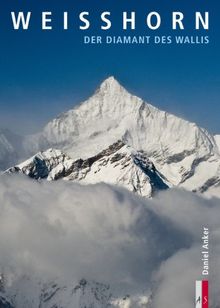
{"type": "Point", "coordinates": [45, 73]}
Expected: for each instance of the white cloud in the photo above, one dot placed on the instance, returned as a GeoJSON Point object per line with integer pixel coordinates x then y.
{"type": "Point", "coordinates": [109, 235]}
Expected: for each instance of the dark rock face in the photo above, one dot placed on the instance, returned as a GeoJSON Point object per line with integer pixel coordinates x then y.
{"type": "Point", "coordinates": [40, 165]}
{"type": "Point", "coordinates": [156, 179]}
{"type": "Point", "coordinates": [215, 181]}
{"type": "Point", "coordinates": [4, 302]}
{"type": "Point", "coordinates": [81, 164]}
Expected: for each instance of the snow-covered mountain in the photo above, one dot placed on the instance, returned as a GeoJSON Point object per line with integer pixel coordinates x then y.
{"type": "Point", "coordinates": [117, 165]}
{"type": "Point", "coordinates": [182, 153]}
{"type": "Point", "coordinates": [56, 294]}
{"type": "Point", "coordinates": [112, 114]}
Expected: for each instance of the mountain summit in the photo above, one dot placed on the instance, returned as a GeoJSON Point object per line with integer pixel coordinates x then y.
{"type": "Point", "coordinates": [110, 84]}
{"type": "Point", "coordinates": [183, 153]}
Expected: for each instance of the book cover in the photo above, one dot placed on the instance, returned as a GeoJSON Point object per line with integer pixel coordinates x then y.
{"type": "Point", "coordinates": [109, 154]}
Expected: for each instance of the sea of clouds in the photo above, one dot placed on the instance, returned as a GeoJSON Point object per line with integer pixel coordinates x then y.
{"type": "Point", "coordinates": [107, 234]}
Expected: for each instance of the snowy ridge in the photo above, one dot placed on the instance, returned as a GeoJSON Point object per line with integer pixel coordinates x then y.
{"type": "Point", "coordinates": [56, 294]}
{"type": "Point", "coordinates": [112, 113]}
{"type": "Point", "coordinates": [40, 165]}
{"type": "Point", "coordinates": [117, 165]}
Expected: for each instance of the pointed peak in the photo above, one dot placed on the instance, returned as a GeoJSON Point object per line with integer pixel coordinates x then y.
{"type": "Point", "coordinates": [109, 80]}
{"type": "Point", "coordinates": [110, 84]}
